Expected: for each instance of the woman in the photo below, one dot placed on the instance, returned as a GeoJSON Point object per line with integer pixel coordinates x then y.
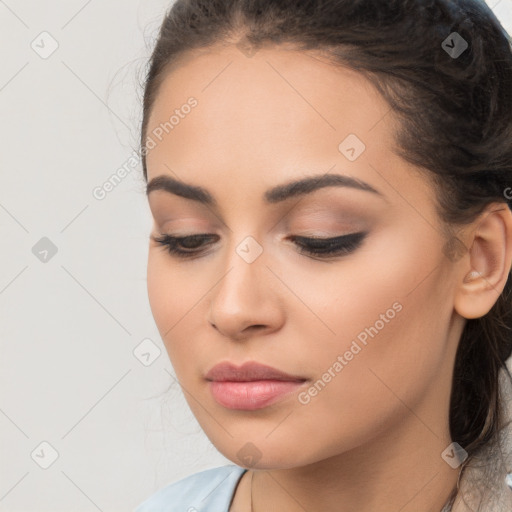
{"type": "Point", "coordinates": [329, 264]}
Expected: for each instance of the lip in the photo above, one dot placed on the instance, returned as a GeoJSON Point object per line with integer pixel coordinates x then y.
{"type": "Point", "coordinates": [250, 386]}
{"type": "Point", "coordinates": [248, 372]}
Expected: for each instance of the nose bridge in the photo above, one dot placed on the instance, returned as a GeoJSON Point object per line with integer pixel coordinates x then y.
{"type": "Point", "coordinates": [245, 267]}
{"type": "Point", "coordinates": [242, 297]}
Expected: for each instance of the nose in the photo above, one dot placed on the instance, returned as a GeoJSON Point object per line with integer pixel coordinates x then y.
{"type": "Point", "coordinates": [246, 300]}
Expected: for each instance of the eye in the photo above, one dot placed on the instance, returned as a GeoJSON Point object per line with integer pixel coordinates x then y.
{"type": "Point", "coordinates": [189, 244]}
{"type": "Point", "coordinates": [329, 247]}
{"type": "Point", "coordinates": [193, 245]}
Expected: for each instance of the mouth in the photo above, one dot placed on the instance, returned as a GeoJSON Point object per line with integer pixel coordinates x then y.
{"type": "Point", "coordinates": [250, 386]}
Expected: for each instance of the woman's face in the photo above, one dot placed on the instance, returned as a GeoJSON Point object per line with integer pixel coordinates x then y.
{"type": "Point", "coordinates": [370, 330]}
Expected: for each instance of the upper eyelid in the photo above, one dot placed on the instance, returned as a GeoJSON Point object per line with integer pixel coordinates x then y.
{"type": "Point", "coordinates": [332, 211]}
{"type": "Point", "coordinates": [208, 236]}
{"type": "Point", "coordinates": [323, 252]}
{"type": "Point", "coordinates": [337, 223]}
{"type": "Point", "coordinates": [303, 237]}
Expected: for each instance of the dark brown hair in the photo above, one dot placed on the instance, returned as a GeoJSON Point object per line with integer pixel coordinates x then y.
{"type": "Point", "coordinates": [455, 117]}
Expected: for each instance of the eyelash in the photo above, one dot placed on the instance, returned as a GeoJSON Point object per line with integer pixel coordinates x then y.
{"type": "Point", "coordinates": [314, 247]}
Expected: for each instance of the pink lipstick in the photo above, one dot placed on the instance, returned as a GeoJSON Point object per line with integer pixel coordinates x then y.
{"type": "Point", "coordinates": [250, 386]}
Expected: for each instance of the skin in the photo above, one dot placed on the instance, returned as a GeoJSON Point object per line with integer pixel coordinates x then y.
{"type": "Point", "coordinates": [372, 438]}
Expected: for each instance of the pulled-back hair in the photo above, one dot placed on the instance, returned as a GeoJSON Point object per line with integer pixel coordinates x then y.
{"type": "Point", "coordinates": [455, 117]}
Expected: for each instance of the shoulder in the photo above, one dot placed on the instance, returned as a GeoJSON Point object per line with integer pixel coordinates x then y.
{"type": "Point", "coordinates": [210, 490]}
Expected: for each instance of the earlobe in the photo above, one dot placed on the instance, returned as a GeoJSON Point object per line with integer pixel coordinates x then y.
{"type": "Point", "coordinates": [487, 265]}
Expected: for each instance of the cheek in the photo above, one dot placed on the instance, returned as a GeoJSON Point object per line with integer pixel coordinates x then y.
{"type": "Point", "coordinates": [172, 301]}
{"type": "Point", "coordinates": [379, 379]}
{"type": "Point", "coordinates": [158, 282]}
{"type": "Point", "coordinates": [392, 272]}
{"type": "Point", "coordinates": [389, 303]}
{"type": "Point", "coordinates": [390, 316]}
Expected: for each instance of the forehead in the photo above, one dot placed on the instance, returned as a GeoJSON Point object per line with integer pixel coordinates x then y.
{"type": "Point", "coordinates": [275, 97]}
{"type": "Point", "coordinates": [270, 117]}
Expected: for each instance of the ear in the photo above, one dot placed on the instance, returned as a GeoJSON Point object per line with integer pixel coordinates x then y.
{"type": "Point", "coordinates": [485, 269]}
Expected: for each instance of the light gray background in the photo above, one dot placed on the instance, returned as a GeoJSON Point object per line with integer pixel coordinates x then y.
{"type": "Point", "coordinates": [69, 325]}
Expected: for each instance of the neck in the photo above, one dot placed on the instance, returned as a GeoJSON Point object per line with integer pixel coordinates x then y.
{"type": "Point", "coordinates": [397, 473]}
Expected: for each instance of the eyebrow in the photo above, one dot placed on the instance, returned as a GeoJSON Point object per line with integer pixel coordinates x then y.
{"type": "Point", "coordinates": [274, 195]}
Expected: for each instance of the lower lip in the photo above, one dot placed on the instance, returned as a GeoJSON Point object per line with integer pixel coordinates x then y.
{"type": "Point", "coordinates": [253, 395]}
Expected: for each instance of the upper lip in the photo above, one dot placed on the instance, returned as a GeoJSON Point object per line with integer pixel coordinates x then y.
{"type": "Point", "coordinates": [250, 371]}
